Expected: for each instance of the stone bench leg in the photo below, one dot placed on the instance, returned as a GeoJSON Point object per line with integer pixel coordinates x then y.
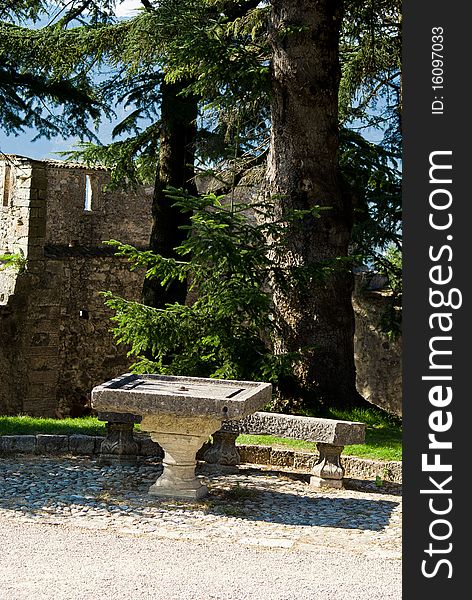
{"type": "Point", "coordinates": [223, 454]}
{"type": "Point", "coordinates": [119, 446]}
{"type": "Point", "coordinates": [328, 471]}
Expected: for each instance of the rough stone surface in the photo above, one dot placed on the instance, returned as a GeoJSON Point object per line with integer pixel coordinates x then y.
{"type": "Point", "coordinates": [83, 444]}
{"type": "Point", "coordinates": [55, 339]}
{"type": "Point", "coordinates": [355, 467]}
{"type": "Point", "coordinates": [378, 359]}
{"type": "Point", "coordinates": [17, 444]}
{"type": "Point", "coordinates": [310, 429]}
{"type": "Point", "coordinates": [6, 364]}
{"type": "Point", "coordinates": [183, 396]}
{"type": "Point", "coordinates": [281, 458]}
{"type": "Point", "coordinates": [258, 455]}
{"type": "Point", "coordinates": [304, 461]}
{"type": "Point", "coordinates": [372, 469]}
{"type": "Point", "coordinates": [255, 508]}
{"type": "Point", "coordinates": [52, 444]}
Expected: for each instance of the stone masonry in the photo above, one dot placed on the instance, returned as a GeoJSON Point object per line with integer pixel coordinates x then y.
{"type": "Point", "coordinates": [378, 358]}
{"type": "Point", "coordinates": [55, 339]}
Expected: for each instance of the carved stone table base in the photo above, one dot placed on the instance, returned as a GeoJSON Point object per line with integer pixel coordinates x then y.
{"type": "Point", "coordinates": [222, 455]}
{"type": "Point", "coordinates": [328, 471]}
{"type": "Point", "coordinates": [119, 446]}
{"type": "Point", "coordinates": [181, 438]}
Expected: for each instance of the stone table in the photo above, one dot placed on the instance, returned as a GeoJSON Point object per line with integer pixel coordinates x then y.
{"type": "Point", "coordinates": [180, 413]}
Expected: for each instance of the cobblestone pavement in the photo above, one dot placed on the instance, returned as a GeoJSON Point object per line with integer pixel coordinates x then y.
{"type": "Point", "coordinates": [253, 508]}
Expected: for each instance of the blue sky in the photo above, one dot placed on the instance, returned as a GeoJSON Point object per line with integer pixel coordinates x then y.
{"type": "Point", "coordinates": [23, 144]}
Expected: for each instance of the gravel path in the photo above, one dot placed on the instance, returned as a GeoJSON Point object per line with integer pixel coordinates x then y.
{"type": "Point", "coordinates": [71, 529]}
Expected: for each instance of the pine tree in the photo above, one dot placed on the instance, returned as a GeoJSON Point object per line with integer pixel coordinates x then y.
{"type": "Point", "coordinates": [31, 94]}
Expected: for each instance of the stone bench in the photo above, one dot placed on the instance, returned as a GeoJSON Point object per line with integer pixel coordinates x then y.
{"type": "Point", "coordinates": [330, 436]}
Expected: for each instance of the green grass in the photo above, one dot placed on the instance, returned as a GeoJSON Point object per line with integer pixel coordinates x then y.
{"type": "Point", "coordinates": [380, 445]}
{"type": "Point", "coordinates": [383, 432]}
{"type": "Point", "coordinates": [24, 425]}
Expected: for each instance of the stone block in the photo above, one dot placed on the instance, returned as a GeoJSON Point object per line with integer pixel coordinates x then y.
{"type": "Point", "coordinates": [325, 484]}
{"type": "Point", "coordinates": [310, 429]}
{"type": "Point", "coordinates": [37, 229]}
{"type": "Point", "coordinates": [181, 396]}
{"type": "Point", "coordinates": [82, 444]}
{"type": "Point", "coordinates": [17, 444]}
{"type": "Point", "coordinates": [357, 468]}
{"type": "Point", "coordinates": [43, 377]}
{"type": "Point", "coordinates": [98, 443]}
{"type": "Point", "coordinates": [257, 455]}
{"type": "Point", "coordinates": [282, 458]}
{"type": "Point", "coordinates": [304, 461]}
{"type": "Point", "coordinates": [38, 212]}
{"type": "Point", "coordinates": [42, 351]}
{"type": "Point", "coordinates": [52, 444]}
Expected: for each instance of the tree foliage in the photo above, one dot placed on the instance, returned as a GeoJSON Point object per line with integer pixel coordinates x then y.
{"type": "Point", "coordinates": [33, 92]}
{"type": "Point", "coordinates": [371, 46]}
{"type": "Point", "coordinates": [225, 329]}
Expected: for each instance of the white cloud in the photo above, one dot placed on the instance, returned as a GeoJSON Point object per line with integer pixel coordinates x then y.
{"type": "Point", "coordinates": [127, 8]}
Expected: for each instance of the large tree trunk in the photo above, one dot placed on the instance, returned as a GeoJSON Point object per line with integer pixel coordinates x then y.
{"type": "Point", "coordinates": [303, 172]}
{"type": "Point", "coordinates": [175, 169]}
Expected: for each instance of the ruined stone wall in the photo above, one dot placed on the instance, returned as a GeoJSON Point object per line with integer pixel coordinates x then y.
{"type": "Point", "coordinates": [89, 354]}
{"type": "Point", "coordinates": [15, 184]}
{"type": "Point", "coordinates": [378, 359]}
{"type": "Point", "coordinates": [55, 342]}
{"type": "Point", "coordinates": [6, 379]}
{"type": "Point", "coordinates": [22, 219]}
{"type": "Point", "coordinates": [119, 214]}
{"type": "Point", "coordinates": [63, 331]}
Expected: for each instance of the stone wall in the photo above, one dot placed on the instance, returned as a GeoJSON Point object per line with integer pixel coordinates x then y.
{"type": "Point", "coordinates": [15, 189]}
{"type": "Point", "coordinates": [63, 331]}
{"type": "Point", "coordinates": [55, 339]}
{"type": "Point", "coordinates": [120, 215]}
{"type": "Point", "coordinates": [6, 379]}
{"type": "Point", "coordinates": [85, 327]}
{"type": "Point", "coordinates": [15, 184]}
{"type": "Point", "coordinates": [378, 358]}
